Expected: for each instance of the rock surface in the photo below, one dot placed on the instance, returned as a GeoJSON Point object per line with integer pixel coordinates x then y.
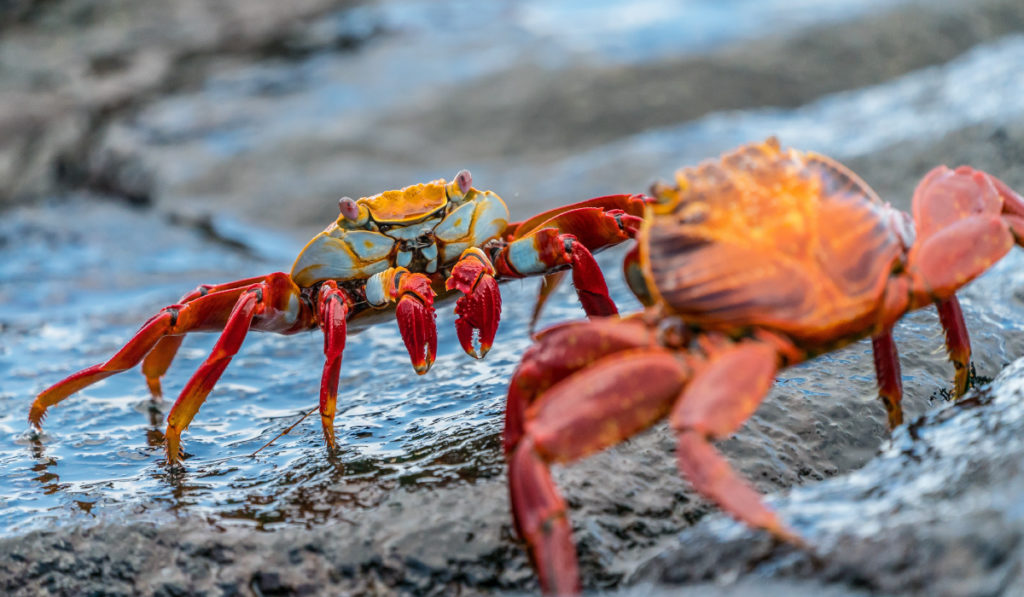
{"type": "Point", "coordinates": [939, 512]}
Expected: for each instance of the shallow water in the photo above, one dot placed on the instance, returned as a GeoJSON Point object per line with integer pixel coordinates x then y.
{"type": "Point", "coordinates": [101, 452]}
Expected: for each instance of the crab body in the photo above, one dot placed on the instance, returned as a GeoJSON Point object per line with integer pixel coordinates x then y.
{"type": "Point", "coordinates": [385, 255]}
{"type": "Point", "coordinates": [758, 261]}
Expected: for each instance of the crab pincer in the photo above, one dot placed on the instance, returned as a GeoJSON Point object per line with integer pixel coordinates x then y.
{"type": "Point", "coordinates": [415, 313]}
{"type": "Point", "coordinates": [479, 309]}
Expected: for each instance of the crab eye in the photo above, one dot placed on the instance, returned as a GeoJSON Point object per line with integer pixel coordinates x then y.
{"type": "Point", "coordinates": [464, 180]}
{"type": "Point", "coordinates": [348, 208]}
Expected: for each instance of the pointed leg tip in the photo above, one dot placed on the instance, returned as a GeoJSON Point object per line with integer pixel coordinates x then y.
{"type": "Point", "coordinates": [328, 428]}
{"type": "Point", "coordinates": [155, 389]}
{"type": "Point", "coordinates": [36, 414]}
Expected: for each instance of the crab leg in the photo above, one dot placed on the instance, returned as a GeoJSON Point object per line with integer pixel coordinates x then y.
{"type": "Point", "coordinates": [958, 343]}
{"type": "Point", "coordinates": [549, 395]}
{"type": "Point", "coordinates": [567, 237]}
{"type": "Point", "coordinates": [158, 360]}
{"type": "Point", "coordinates": [720, 398]}
{"type": "Point", "coordinates": [887, 371]}
{"type": "Point", "coordinates": [480, 307]}
{"type": "Point", "coordinates": [273, 296]}
{"type": "Point", "coordinates": [966, 220]}
{"type": "Point", "coordinates": [582, 414]}
{"type": "Point", "coordinates": [415, 311]}
{"type": "Point", "coordinates": [548, 249]}
{"type": "Point", "coordinates": [334, 304]}
{"type": "Point", "coordinates": [205, 313]}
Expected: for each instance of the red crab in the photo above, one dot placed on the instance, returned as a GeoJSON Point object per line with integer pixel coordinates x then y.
{"type": "Point", "coordinates": [758, 261]}
{"type": "Point", "coordinates": [394, 250]}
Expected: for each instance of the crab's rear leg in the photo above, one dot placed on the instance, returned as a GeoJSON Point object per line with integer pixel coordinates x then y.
{"type": "Point", "coordinates": [277, 297]}
{"type": "Point", "coordinates": [722, 395]}
{"type": "Point", "coordinates": [887, 371]}
{"type": "Point", "coordinates": [208, 312]}
{"type": "Point", "coordinates": [158, 360]}
{"type": "Point", "coordinates": [966, 220]}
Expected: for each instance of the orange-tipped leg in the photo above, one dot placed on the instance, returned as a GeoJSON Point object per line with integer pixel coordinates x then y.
{"type": "Point", "coordinates": [479, 309]}
{"type": "Point", "coordinates": [958, 343]}
{"type": "Point", "coordinates": [156, 363]}
{"type": "Point", "coordinates": [207, 312]}
{"type": "Point", "coordinates": [887, 371]}
{"type": "Point", "coordinates": [334, 305]}
{"type": "Point", "coordinates": [721, 396]}
{"type": "Point", "coordinates": [202, 381]}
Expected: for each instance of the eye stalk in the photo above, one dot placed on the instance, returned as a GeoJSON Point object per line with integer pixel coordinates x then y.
{"type": "Point", "coordinates": [348, 208]}
{"type": "Point", "coordinates": [460, 185]}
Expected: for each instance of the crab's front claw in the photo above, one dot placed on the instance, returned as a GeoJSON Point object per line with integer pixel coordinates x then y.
{"type": "Point", "coordinates": [480, 308]}
{"type": "Point", "coordinates": [415, 314]}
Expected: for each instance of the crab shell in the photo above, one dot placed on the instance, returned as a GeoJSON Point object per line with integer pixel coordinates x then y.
{"type": "Point", "coordinates": [428, 224]}
{"type": "Point", "coordinates": [788, 241]}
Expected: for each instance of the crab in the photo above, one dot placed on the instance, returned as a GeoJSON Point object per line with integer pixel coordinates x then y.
{"type": "Point", "coordinates": [388, 254]}
{"type": "Point", "coordinates": [758, 261]}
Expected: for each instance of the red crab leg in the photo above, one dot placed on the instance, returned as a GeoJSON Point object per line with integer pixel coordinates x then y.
{"type": "Point", "coordinates": [720, 397]}
{"type": "Point", "coordinates": [546, 250]}
{"type": "Point", "coordinates": [887, 371]}
{"type": "Point", "coordinates": [158, 360]}
{"type": "Point", "coordinates": [584, 413]}
{"type": "Point", "coordinates": [334, 304]}
{"type": "Point", "coordinates": [966, 220]}
{"type": "Point", "coordinates": [958, 343]}
{"type": "Point", "coordinates": [560, 351]}
{"type": "Point", "coordinates": [568, 236]}
{"type": "Point", "coordinates": [480, 307]}
{"type": "Point", "coordinates": [274, 296]}
{"type": "Point", "coordinates": [206, 313]}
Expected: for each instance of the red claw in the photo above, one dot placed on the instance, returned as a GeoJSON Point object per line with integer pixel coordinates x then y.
{"type": "Point", "coordinates": [480, 308]}
{"type": "Point", "coordinates": [415, 314]}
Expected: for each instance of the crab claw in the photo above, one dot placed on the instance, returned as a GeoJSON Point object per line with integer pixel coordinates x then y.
{"type": "Point", "coordinates": [480, 308]}
{"type": "Point", "coordinates": [415, 314]}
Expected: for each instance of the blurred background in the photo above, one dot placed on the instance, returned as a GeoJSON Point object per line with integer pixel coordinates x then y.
{"type": "Point", "coordinates": [148, 146]}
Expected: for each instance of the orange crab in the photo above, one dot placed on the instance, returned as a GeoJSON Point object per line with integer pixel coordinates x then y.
{"type": "Point", "coordinates": [758, 261]}
{"type": "Point", "coordinates": [394, 250]}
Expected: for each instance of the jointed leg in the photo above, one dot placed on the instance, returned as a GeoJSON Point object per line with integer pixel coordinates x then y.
{"type": "Point", "coordinates": [582, 414]}
{"type": "Point", "coordinates": [158, 360]}
{"type": "Point", "coordinates": [250, 303]}
{"type": "Point", "coordinates": [333, 309]}
{"type": "Point", "coordinates": [547, 249]}
{"type": "Point", "coordinates": [958, 343]}
{"type": "Point", "coordinates": [887, 371]}
{"type": "Point", "coordinates": [716, 403]}
{"type": "Point", "coordinates": [205, 313]}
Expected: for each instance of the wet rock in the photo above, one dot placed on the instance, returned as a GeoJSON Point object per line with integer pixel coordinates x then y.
{"type": "Point", "coordinates": [938, 512]}
{"type": "Point", "coordinates": [112, 56]}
